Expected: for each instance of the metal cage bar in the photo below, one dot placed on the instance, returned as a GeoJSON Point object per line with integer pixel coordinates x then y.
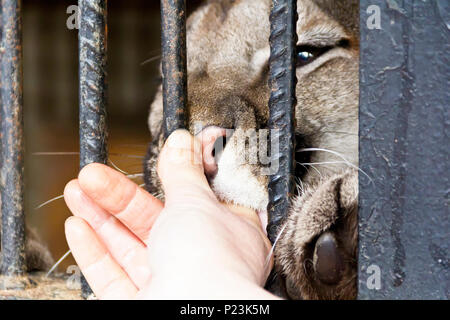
{"type": "Point", "coordinates": [93, 57]}
{"type": "Point", "coordinates": [92, 38]}
{"type": "Point", "coordinates": [12, 141]}
{"type": "Point", "coordinates": [404, 228]}
{"type": "Point", "coordinates": [173, 44]}
{"type": "Point", "coordinates": [282, 82]}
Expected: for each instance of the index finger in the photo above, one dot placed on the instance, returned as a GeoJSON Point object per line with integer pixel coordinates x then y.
{"type": "Point", "coordinates": [112, 191]}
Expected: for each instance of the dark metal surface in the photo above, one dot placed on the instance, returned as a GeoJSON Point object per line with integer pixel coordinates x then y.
{"type": "Point", "coordinates": [12, 140]}
{"type": "Point", "coordinates": [282, 82]}
{"type": "Point", "coordinates": [92, 39]}
{"type": "Point", "coordinates": [92, 51]}
{"type": "Point", "coordinates": [404, 228]}
{"type": "Point", "coordinates": [173, 43]}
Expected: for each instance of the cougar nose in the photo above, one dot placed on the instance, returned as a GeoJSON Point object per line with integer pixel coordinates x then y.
{"type": "Point", "coordinates": [213, 142]}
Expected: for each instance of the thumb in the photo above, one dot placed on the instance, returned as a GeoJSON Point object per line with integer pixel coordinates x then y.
{"type": "Point", "coordinates": [180, 166]}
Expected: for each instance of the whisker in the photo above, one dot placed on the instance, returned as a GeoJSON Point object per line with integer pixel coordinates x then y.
{"type": "Point", "coordinates": [325, 162]}
{"type": "Point", "coordinates": [324, 150]}
{"type": "Point", "coordinates": [133, 145]}
{"type": "Point", "coordinates": [127, 155]}
{"type": "Point", "coordinates": [304, 166]}
{"type": "Point", "coordinates": [49, 201]}
{"type": "Point", "coordinates": [342, 132]}
{"type": "Point", "coordinates": [135, 163]}
{"type": "Point", "coordinates": [57, 263]}
{"type": "Point", "coordinates": [150, 60]}
{"type": "Point", "coordinates": [77, 153]}
{"type": "Point", "coordinates": [340, 156]}
{"type": "Point", "coordinates": [269, 256]}
{"type": "Point", "coordinates": [340, 162]}
{"type": "Point", "coordinates": [55, 153]}
{"type": "Point", "coordinates": [117, 168]}
{"type": "Point", "coordinates": [135, 175]}
{"type": "Point", "coordinates": [317, 170]}
{"type": "Point", "coordinates": [300, 185]}
{"type": "Point", "coordinates": [134, 166]}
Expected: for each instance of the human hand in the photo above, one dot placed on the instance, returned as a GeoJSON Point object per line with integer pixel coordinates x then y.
{"type": "Point", "coordinates": [129, 244]}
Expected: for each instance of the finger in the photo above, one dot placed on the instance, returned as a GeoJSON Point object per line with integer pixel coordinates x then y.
{"type": "Point", "coordinates": [251, 216]}
{"type": "Point", "coordinates": [247, 214]}
{"type": "Point", "coordinates": [106, 278]}
{"type": "Point", "coordinates": [127, 249]}
{"type": "Point", "coordinates": [129, 203]}
{"type": "Point", "coordinates": [180, 166]}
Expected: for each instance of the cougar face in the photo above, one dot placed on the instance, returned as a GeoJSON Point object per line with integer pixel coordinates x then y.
{"type": "Point", "coordinates": [228, 68]}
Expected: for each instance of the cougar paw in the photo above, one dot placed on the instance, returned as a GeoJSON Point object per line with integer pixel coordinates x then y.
{"type": "Point", "coordinates": [315, 257]}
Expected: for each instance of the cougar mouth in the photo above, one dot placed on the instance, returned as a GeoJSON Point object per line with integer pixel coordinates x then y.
{"type": "Point", "coordinates": [225, 184]}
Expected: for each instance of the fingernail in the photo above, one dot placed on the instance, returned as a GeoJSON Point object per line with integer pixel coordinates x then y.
{"type": "Point", "coordinates": [179, 139]}
{"type": "Point", "coordinates": [182, 147]}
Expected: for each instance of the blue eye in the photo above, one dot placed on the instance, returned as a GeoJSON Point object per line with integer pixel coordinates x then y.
{"type": "Point", "coordinates": [307, 54]}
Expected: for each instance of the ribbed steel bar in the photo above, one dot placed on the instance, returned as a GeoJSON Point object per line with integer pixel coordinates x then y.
{"type": "Point", "coordinates": [92, 38]}
{"type": "Point", "coordinates": [12, 141]}
{"type": "Point", "coordinates": [93, 58]}
{"type": "Point", "coordinates": [173, 43]}
{"type": "Point", "coordinates": [282, 82]}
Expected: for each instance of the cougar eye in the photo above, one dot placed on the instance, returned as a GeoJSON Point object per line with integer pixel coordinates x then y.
{"type": "Point", "coordinates": [307, 54]}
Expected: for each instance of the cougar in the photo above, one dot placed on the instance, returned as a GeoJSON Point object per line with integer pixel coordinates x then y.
{"type": "Point", "coordinates": [228, 68]}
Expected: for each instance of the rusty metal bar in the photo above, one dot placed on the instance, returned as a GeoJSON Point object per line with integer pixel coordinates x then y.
{"type": "Point", "coordinates": [173, 43]}
{"type": "Point", "coordinates": [12, 142]}
{"type": "Point", "coordinates": [92, 38]}
{"type": "Point", "coordinates": [282, 82]}
{"type": "Point", "coordinates": [93, 58]}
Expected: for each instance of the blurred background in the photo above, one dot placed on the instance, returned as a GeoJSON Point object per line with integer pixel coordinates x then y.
{"type": "Point", "coordinates": [50, 52]}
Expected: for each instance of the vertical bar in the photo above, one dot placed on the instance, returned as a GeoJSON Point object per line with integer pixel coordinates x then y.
{"type": "Point", "coordinates": [92, 38]}
{"type": "Point", "coordinates": [12, 142]}
{"type": "Point", "coordinates": [173, 43]}
{"type": "Point", "coordinates": [282, 82]}
{"type": "Point", "coordinates": [404, 228]}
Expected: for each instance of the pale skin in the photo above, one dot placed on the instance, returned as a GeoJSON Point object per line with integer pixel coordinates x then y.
{"type": "Point", "coordinates": [130, 245]}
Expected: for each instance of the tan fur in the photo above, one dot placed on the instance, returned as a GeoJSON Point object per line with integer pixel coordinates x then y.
{"type": "Point", "coordinates": [228, 53]}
